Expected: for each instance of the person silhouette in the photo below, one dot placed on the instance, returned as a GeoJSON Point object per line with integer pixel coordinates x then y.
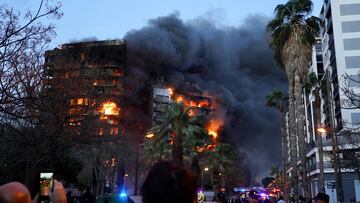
{"type": "Point", "coordinates": [168, 182]}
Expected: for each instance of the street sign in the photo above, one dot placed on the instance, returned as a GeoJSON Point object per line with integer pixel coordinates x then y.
{"type": "Point", "coordinates": [330, 185]}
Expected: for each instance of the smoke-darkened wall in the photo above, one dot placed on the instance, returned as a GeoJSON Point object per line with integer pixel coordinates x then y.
{"type": "Point", "coordinates": [234, 63]}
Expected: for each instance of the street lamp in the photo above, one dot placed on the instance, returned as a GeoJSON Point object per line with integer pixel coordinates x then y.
{"type": "Point", "coordinates": [321, 158]}
{"type": "Point", "coordinates": [149, 135]}
{"type": "Point", "coordinates": [337, 168]}
{"type": "Point", "coordinates": [202, 176]}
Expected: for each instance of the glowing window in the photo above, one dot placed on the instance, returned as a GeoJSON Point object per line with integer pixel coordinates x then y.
{"type": "Point", "coordinates": [72, 111]}
{"type": "Point", "coordinates": [109, 108]}
{"type": "Point", "coordinates": [101, 131]}
{"type": "Point", "coordinates": [116, 72]}
{"type": "Point", "coordinates": [72, 102]}
{"type": "Point", "coordinates": [80, 101]}
{"type": "Point", "coordinates": [114, 131]}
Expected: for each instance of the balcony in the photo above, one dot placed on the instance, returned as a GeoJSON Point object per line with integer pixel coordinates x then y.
{"type": "Point", "coordinates": [159, 108]}
{"type": "Point", "coordinates": [309, 146]}
{"type": "Point", "coordinates": [344, 139]}
{"type": "Point", "coordinates": [327, 165]}
{"type": "Point", "coordinates": [160, 99]}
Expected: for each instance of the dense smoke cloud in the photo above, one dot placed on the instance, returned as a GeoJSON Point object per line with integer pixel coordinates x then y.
{"type": "Point", "coordinates": [234, 63]}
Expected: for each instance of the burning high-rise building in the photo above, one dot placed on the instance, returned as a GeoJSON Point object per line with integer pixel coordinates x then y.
{"type": "Point", "coordinates": [197, 101]}
{"type": "Point", "coordinates": [87, 77]}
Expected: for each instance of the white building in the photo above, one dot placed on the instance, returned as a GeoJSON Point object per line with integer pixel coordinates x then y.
{"type": "Point", "coordinates": [335, 62]}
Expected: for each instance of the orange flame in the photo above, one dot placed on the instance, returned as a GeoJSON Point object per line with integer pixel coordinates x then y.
{"type": "Point", "coordinates": [109, 108]}
{"type": "Point", "coordinates": [179, 99]}
{"type": "Point", "coordinates": [192, 113]}
{"type": "Point", "coordinates": [213, 128]}
{"type": "Point", "coordinates": [205, 148]}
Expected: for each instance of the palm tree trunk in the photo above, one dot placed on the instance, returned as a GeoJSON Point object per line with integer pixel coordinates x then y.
{"type": "Point", "coordinates": [216, 182]}
{"type": "Point", "coordinates": [319, 139]}
{"type": "Point", "coordinates": [177, 149]}
{"type": "Point", "coordinates": [196, 169]}
{"type": "Point", "coordinates": [293, 141]}
{"type": "Point", "coordinates": [300, 116]}
{"type": "Point", "coordinates": [283, 144]}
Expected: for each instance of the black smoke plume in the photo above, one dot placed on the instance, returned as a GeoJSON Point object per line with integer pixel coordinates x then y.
{"type": "Point", "coordinates": [234, 63]}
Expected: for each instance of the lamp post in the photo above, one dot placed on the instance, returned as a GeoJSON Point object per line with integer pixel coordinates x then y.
{"type": "Point", "coordinates": [321, 158]}
{"type": "Point", "coordinates": [202, 176]}
{"type": "Point", "coordinates": [147, 136]}
{"type": "Point", "coordinates": [336, 162]}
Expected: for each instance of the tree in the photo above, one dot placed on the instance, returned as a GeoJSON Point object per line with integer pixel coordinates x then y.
{"type": "Point", "coordinates": [313, 84]}
{"type": "Point", "coordinates": [278, 100]}
{"type": "Point", "coordinates": [180, 130]}
{"type": "Point", "coordinates": [352, 135]}
{"type": "Point", "coordinates": [219, 160]}
{"type": "Point", "coordinates": [292, 34]}
{"type": "Point", "coordinates": [23, 39]}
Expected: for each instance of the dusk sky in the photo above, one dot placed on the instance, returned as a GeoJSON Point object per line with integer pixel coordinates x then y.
{"type": "Point", "coordinates": [109, 19]}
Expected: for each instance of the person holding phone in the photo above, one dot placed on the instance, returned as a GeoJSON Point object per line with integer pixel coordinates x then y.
{"type": "Point", "coordinates": [56, 195]}
{"type": "Point", "coordinates": [15, 192]}
{"type": "Point", "coordinates": [46, 185]}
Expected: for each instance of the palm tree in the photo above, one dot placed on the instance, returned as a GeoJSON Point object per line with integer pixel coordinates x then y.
{"type": "Point", "coordinates": [292, 34]}
{"type": "Point", "coordinates": [314, 83]}
{"type": "Point", "coordinates": [180, 130]}
{"type": "Point", "coordinates": [154, 151]}
{"type": "Point", "coordinates": [277, 100]}
{"type": "Point", "coordinates": [220, 159]}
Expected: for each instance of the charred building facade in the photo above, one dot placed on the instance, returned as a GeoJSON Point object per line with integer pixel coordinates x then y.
{"type": "Point", "coordinates": [87, 77]}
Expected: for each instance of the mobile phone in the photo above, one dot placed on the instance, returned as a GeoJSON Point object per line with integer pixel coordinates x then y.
{"type": "Point", "coordinates": [46, 183]}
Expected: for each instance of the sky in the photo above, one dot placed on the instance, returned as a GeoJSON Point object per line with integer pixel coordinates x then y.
{"type": "Point", "coordinates": [214, 43]}
{"type": "Point", "coordinates": [109, 19]}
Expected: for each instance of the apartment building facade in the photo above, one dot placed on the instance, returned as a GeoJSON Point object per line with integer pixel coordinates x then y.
{"type": "Point", "coordinates": [336, 63]}
{"type": "Point", "coordinates": [87, 77]}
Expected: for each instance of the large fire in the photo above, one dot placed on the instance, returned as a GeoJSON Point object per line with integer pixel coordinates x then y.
{"type": "Point", "coordinates": [198, 103]}
{"type": "Point", "coordinates": [213, 127]}
{"type": "Point", "coordinates": [108, 109]}
{"type": "Point", "coordinates": [203, 103]}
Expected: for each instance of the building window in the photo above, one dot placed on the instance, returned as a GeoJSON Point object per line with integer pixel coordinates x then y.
{"type": "Point", "coordinates": [350, 26]}
{"type": "Point", "coordinates": [114, 131]}
{"type": "Point", "coordinates": [355, 118]}
{"type": "Point", "coordinates": [72, 111]}
{"type": "Point", "coordinates": [352, 61]}
{"type": "Point", "coordinates": [109, 108]}
{"type": "Point", "coordinates": [72, 102]}
{"type": "Point", "coordinates": [349, 9]}
{"type": "Point", "coordinates": [101, 131]}
{"type": "Point", "coordinates": [82, 101]}
{"type": "Point", "coordinates": [117, 73]}
{"type": "Point", "coordinates": [353, 80]}
{"type": "Point", "coordinates": [352, 44]}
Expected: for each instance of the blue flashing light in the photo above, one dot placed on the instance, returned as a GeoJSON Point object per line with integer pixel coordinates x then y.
{"type": "Point", "coordinates": [123, 195]}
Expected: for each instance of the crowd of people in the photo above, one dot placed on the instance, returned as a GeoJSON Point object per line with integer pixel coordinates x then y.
{"type": "Point", "coordinates": [166, 182]}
